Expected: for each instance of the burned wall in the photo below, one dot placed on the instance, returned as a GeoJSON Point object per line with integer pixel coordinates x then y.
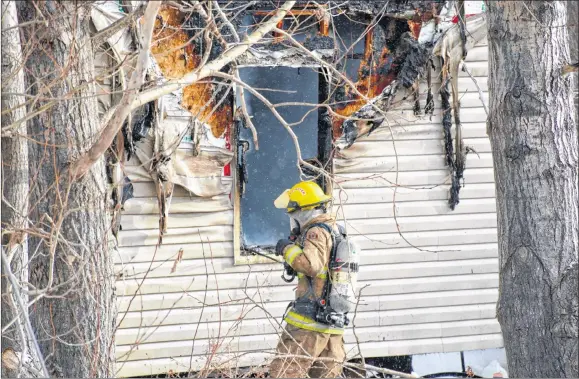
{"type": "Point", "coordinates": [180, 47]}
{"type": "Point", "coordinates": [391, 52]}
{"type": "Point", "coordinates": [388, 51]}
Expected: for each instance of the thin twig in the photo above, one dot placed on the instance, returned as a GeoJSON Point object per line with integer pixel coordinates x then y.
{"type": "Point", "coordinates": [226, 21]}
{"type": "Point", "coordinates": [82, 165]}
{"type": "Point", "coordinates": [209, 70]}
{"type": "Point", "coordinates": [480, 94]}
{"type": "Point", "coordinates": [116, 26]}
{"type": "Point", "coordinates": [24, 314]}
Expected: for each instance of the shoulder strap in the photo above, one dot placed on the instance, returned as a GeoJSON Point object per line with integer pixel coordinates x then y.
{"type": "Point", "coordinates": [325, 226]}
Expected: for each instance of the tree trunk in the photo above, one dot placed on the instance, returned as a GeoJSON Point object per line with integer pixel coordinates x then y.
{"type": "Point", "coordinates": [573, 25]}
{"type": "Point", "coordinates": [533, 134]}
{"type": "Point", "coordinates": [14, 175]}
{"type": "Point", "coordinates": [74, 323]}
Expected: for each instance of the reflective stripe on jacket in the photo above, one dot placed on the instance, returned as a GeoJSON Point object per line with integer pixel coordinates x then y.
{"type": "Point", "coordinates": [304, 322]}
{"type": "Point", "coordinates": [310, 261]}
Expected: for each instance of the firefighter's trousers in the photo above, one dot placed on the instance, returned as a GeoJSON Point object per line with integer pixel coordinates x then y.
{"type": "Point", "coordinates": [302, 348]}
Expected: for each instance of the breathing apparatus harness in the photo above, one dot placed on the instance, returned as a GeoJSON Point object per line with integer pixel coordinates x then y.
{"type": "Point", "coordinates": [322, 310]}
{"type": "Point", "coordinates": [332, 307]}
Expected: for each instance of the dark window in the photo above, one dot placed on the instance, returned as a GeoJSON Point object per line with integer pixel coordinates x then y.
{"type": "Point", "coordinates": [348, 31]}
{"type": "Point", "coordinates": [272, 168]}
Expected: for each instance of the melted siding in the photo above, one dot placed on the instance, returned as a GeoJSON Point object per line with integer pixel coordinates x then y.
{"type": "Point", "coordinates": [434, 290]}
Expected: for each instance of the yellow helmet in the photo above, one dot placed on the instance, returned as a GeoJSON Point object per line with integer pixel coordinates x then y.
{"type": "Point", "coordinates": [302, 196]}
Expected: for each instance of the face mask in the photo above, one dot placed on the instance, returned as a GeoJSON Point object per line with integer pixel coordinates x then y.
{"type": "Point", "coordinates": [300, 218]}
{"type": "Point", "coordinates": [294, 226]}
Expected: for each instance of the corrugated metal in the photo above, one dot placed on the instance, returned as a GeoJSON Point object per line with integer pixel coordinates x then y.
{"type": "Point", "coordinates": [434, 289]}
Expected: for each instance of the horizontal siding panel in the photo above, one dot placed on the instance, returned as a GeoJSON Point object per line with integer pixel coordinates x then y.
{"type": "Point", "coordinates": [408, 148]}
{"type": "Point", "coordinates": [479, 53]}
{"type": "Point", "coordinates": [205, 234]}
{"type": "Point", "coordinates": [371, 349]}
{"type": "Point", "coordinates": [422, 224]}
{"type": "Point", "coordinates": [210, 183]}
{"type": "Point", "coordinates": [177, 220]}
{"type": "Point", "coordinates": [416, 208]}
{"type": "Point", "coordinates": [147, 189]}
{"type": "Point", "coordinates": [465, 83]}
{"type": "Point", "coordinates": [383, 303]}
{"type": "Point", "coordinates": [426, 131]}
{"type": "Point", "coordinates": [194, 264]}
{"type": "Point", "coordinates": [242, 343]}
{"type": "Point", "coordinates": [269, 294]}
{"type": "Point", "coordinates": [401, 117]}
{"type": "Point", "coordinates": [425, 346]}
{"type": "Point", "coordinates": [349, 181]}
{"type": "Point", "coordinates": [138, 174]}
{"type": "Point", "coordinates": [198, 266]}
{"type": "Point", "coordinates": [430, 253]}
{"type": "Point", "coordinates": [190, 267]}
{"type": "Point", "coordinates": [481, 342]}
{"type": "Point", "coordinates": [468, 101]}
{"type": "Point", "coordinates": [140, 206]}
{"type": "Point", "coordinates": [472, 327]}
{"type": "Point", "coordinates": [368, 267]}
{"type": "Point", "coordinates": [415, 193]}
{"type": "Point", "coordinates": [476, 68]}
{"type": "Point", "coordinates": [463, 321]}
{"type": "Point", "coordinates": [420, 239]}
{"type": "Point", "coordinates": [229, 287]}
{"type": "Point", "coordinates": [167, 251]}
{"type": "Point", "coordinates": [440, 314]}
{"type": "Point", "coordinates": [380, 164]}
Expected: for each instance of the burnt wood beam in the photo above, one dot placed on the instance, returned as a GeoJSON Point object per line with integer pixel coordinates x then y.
{"type": "Point", "coordinates": [324, 128]}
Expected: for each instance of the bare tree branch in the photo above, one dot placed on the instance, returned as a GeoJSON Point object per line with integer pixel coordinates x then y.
{"type": "Point", "coordinates": [226, 21]}
{"type": "Point", "coordinates": [116, 26]}
{"type": "Point", "coordinates": [80, 167]}
{"type": "Point", "coordinates": [23, 311]}
{"type": "Point", "coordinates": [227, 57]}
{"type": "Point", "coordinates": [131, 100]}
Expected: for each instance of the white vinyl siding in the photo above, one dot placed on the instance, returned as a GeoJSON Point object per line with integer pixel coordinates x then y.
{"type": "Point", "coordinates": [438, 295]}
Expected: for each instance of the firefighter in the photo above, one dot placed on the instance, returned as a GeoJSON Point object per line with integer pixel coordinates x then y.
{"type": "Point", "coordinates": [309, 256]}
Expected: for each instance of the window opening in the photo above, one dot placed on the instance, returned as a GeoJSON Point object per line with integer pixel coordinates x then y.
{"type": "Point", "coordinates": [263, 174]}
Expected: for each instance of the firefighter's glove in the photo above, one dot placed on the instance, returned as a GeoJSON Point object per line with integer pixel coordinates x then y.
{"type": "Point", "coordinates": [281, 245]}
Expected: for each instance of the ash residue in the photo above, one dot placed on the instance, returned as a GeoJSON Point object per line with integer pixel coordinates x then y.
{"type": "Point", "coordinates": [142, 121]}
{"type": "Point", "coordinates": [416, 57]}
{"type": "Point", "coordinates": [311, 43]}
{"type": "Point", "coordinates": [393, 6]}
{"type": "Point", "coordinates": [280, 46]}
{"type": "Point", "coordinates": [349, 132]}
{"type": "Point", "coordinates": [194, 25]}
{"type": "Point", "coordinates": [319, 43]}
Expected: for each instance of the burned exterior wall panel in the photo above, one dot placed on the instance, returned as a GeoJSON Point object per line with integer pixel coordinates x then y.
{"type": "Point", "coordinates": [183, 301]}
{"type": "Point", "coordinates": [397, 185]}
{"type": "Point", "coordinates": [179, 48]}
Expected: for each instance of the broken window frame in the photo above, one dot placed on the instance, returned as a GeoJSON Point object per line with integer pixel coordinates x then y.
{"type": "Point", "coordinates": [323, 158]}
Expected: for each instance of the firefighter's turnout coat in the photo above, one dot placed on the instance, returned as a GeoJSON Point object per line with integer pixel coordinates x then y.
{"type": "Point", "coordinates": [304, 341]}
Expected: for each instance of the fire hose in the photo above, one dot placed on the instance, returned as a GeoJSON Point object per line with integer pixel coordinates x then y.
{"type": "Point", "coordinates": [288, 270]}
